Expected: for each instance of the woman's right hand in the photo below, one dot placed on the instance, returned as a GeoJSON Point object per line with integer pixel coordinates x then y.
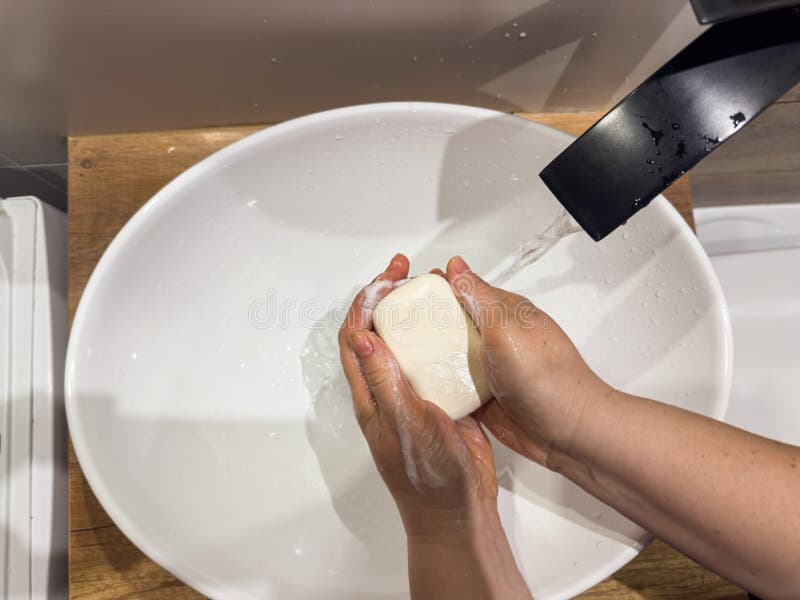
{"type": "Point", "coordinates": [539, 380]}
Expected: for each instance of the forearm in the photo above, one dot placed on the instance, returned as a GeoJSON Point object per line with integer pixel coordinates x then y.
{"type": "Point", "coordinates": [725, 497]}
{"type": "Point", "coordinates": [465, 559]}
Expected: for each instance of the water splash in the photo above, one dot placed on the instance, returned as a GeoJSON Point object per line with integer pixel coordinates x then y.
{"type": "Point", "coordinates": [535, 248]}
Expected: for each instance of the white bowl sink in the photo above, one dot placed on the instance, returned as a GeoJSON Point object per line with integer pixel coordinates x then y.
{"type": "Point", "coordinates": [204, 395]}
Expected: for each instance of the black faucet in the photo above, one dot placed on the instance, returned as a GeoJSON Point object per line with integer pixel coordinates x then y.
{"type": "Point", "coordinates": [685, 110]}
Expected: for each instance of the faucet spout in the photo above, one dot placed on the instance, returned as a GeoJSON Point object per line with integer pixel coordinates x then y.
{"type": "Point", "coordinates": [704, 95]}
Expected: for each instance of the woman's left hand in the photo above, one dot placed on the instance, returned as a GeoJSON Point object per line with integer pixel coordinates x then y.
{"type": "Point", "coordinates": [439, 471]}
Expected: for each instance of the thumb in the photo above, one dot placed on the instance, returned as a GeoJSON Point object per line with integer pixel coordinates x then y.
{"type": "Point", "coordinates": [379, 367]}
{"type": "Point", "coordinates": [476, 296]}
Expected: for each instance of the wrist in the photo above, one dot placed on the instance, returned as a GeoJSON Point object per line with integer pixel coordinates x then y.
{"type": "Point", "coordinates": [452, 525]}
{"type": "Point", "coordinates": [468, 555]}
{"type": "Point", "coordinates": [575, 451]}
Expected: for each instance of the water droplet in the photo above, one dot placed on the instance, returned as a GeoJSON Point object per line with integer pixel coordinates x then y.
{"type": "Point", "coordinates": [709, 140]}
{"type": "Point", "coordinates": [134, 355]}
{"type": "Point", "coordinates": [523, 35]}
{"type": "Point", "coordinates": [274, 59]}
{"type": "Point", "coordinates": [466, 183]}
{"type": "Point", "coordinates": [515, 24]}
{"type": "Point", "coordinates": [577, 564]}
{"type": "Point", "coordinates": [298, 551]}
{"type": "Point", "coordinates": [251, 203]}
{"type": "Point", "coordinates": [625, 235]}
{"type": "Point", "coordinates": [676, 126]}
{"type": "Point", "coordinates": [309, 170]}
{"type": "Point", "coordinates": [242, 365]}
{"type": "Point", "coordinates": [171, 149]}
{"type": "Point", "coordinates": [655, 134]}
{"type": "Point", "coordinates": [697, 311]}
{"type": "Point", "coordinates": [737, 119]}
{"type": "Point", "coordinates": [414, 58]}
{"type": "Point", "coordinates": [339, 137]}
{"type": "Point", "coordinates": [547, 51]}
{"type": "Point", "coordinates": [441, 59]}
{"type": "Point", "coordinates": [594, 34]}
{"type": "Point", "coordinates": [514, 178]}
{"type": "Point", "coordinates": [660, 294]}
{"type": "Point", "coordinates": [599, 545]}
{"type": "Point", "coordinates": [506, 35]}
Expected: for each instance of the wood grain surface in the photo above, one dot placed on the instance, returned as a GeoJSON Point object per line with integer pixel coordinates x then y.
{"type": "Point", "coordinates": [759, 165]}
{"type": "Point", "coordinates": [110, 177]}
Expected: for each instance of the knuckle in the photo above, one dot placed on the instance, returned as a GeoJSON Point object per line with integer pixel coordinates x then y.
{"type": "Point", "coordinates": [364, 413]}
{"type": "Point", "coordinates": [378, 376]}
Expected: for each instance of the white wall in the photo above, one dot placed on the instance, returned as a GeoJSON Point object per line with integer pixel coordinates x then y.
{"type": "Point", "coordinates": [97, 66]}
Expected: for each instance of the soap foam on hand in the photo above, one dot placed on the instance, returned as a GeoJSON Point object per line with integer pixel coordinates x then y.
{"type": "Point", "coordinates": [435, 342]}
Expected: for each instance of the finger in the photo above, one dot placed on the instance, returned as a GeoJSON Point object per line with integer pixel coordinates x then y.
{"type": "Point", "coordinates": [475, 295]}
{"type": "Point", "coordinates": [470, 426]}
{"type": "Point", "coordinates": [508, 432]}
{"type": "Point", "coordinates": [364, 407]}
{"type": "Point", "coordinates": [398, 267]}
{"type": "Point", "coordinates": [438, 271]}
{"type": "Point", "coordinates": [359, 317]}
{"type": "Point", "coordinates": [470, 429]}
{"type": "Point", "coordinates": [360, 314]}
{"type": "Point", "coordinates": [388, 387]}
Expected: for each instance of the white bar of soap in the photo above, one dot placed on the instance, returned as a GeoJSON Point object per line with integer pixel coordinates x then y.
{"type": "Point", "coordinates": [435, 342]}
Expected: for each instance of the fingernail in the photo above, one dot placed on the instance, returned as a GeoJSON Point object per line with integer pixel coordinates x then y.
{"type": "Point", "coordinates": [459, 265]}
{"type": "Point", "coordinates": [394, 262]}
{"type": "Point", "coordinates": [361, 345]}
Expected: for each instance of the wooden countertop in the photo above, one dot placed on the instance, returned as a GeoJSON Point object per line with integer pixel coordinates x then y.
{"type": "Point", "coordinates": [110, 177]}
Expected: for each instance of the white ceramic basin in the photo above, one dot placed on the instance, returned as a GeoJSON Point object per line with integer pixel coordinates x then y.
{"type": "Point", "coordinates": [752, 248]}
{"type": "Point", "coordinates": [205, 399]}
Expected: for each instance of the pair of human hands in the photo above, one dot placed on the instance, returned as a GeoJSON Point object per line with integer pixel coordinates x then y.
{"type": "Point", "coordinates": [441, 471]}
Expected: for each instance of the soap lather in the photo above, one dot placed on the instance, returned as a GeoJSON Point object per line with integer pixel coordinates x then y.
{"type": "Point", "coordinates": [435, 343]}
